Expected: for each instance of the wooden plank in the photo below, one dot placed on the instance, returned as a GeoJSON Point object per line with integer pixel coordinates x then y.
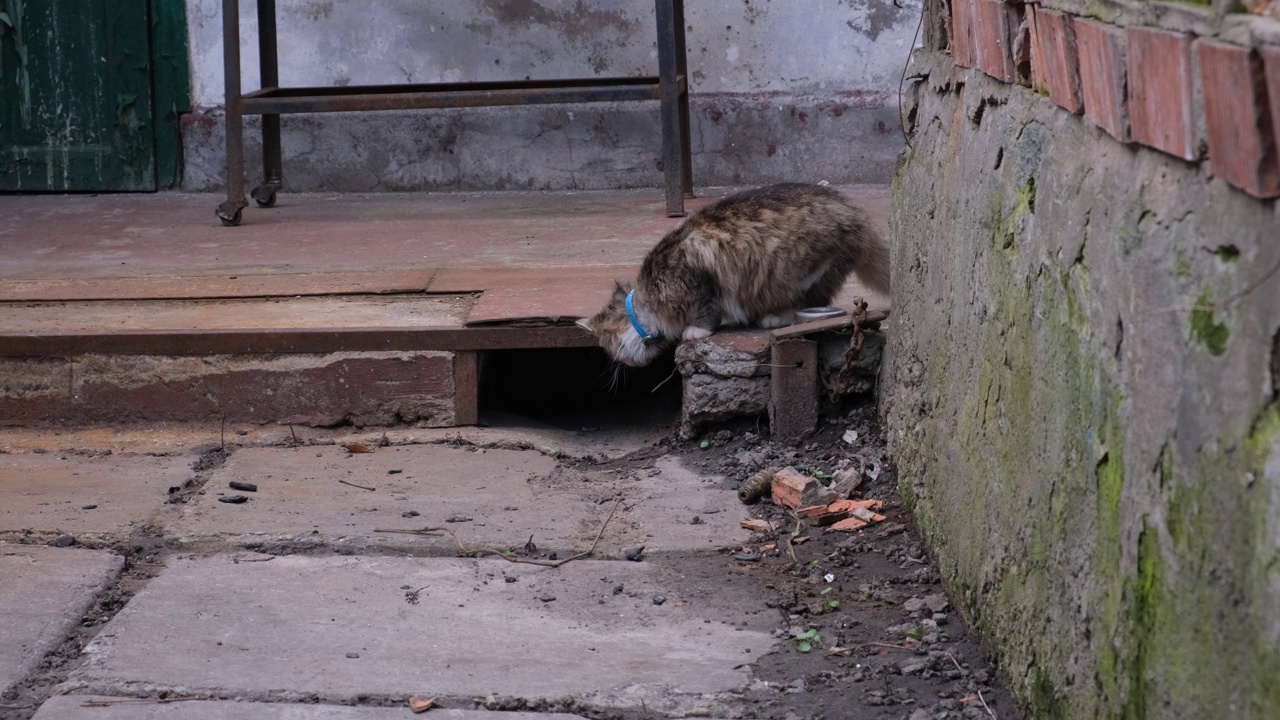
{"type": "Point", "coordinates": [793, 400]}
{"type": "Point", "coordinates": [835, 323]}
{"type": "Point", "coordinates": [466, 388]}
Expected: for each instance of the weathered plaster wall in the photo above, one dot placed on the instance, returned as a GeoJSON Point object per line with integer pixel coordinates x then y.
{"type": "Point", "coordinates": [780, 90]}
{"type": "Point", "coordinates": [1083, 396]}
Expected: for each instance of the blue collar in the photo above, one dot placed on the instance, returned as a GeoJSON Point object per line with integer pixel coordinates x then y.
{"type": "Point", "coordinates": [635, 322]}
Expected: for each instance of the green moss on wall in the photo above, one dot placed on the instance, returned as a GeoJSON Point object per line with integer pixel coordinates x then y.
{"type": "Point", "coordinates": [1205, 328]}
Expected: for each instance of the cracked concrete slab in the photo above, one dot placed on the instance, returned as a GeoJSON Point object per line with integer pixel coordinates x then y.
{"type": "Point", "coordinates": [85, 495]}
{"type": "Point", "coordinates": [45, 593]}
{"type": "Point", "coordinates": [338, 628]}
{"type": "Point", "coordinates": [72, 707]}
{"type": "Point", "coordinates": [496, 498]}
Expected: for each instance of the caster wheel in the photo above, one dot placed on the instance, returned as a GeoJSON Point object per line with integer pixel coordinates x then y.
{"type": "Point", "coordinates": [229, 219]}
{"type": "Point", "coordinates": [264, 195]}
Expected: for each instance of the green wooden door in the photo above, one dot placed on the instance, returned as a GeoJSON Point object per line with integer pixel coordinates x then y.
{"type": "Point", "coordinates": [76, 82]}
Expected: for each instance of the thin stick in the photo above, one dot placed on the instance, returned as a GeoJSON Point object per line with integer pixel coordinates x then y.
{"type": "Point", "coordinates": [294, 434]}
{"type": "Point", "coordinates": [955, 662]}
{"type": "Point", "coordinates": [887, 645]}
{"type": "Point", "coordinates": [223, 435]}
{"type": "Point", "coordinates": [362, 487]}
{"type": "Point", "coordinates": [664, 381]}
{"type": "Point", "coordinates": [435, 531]}
{"type": "Point", "coordinates": [985, 706]}
{"type": "Point", "coordinates": [123, 701]}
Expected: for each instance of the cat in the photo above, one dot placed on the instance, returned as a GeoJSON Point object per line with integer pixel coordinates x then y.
{"type": "Point", "coordinates": [754, 257]}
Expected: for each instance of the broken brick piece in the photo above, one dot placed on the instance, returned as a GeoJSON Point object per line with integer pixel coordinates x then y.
{"type": "Point", "coordinates": [755, 525]}
{"type": "Point", "coordinates": [849, 524]}
{"type": "Point", "coordinates": [794, 490]}
{"type": "Point", "coordinates": [813, 511]}
{"type": "Point", "coordinates": [850, 505]}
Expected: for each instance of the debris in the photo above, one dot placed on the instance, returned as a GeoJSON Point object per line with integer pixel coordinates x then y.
{"type": "Point", "coordinates": [747, 556]}
{"type": "Point", "coordinates": [233, 499]}
{"type": "Point", "coordinates": [468, 518]}
{"type": "Point", "coordinates": [243, 486]}
{"type": "Point", "coordinates": [659, 599]}
{"type": "Point", "coordinates": [362, 487]}
{"type": "Point", "coordinates": [697, 520]}
{"type": "Point", "coordinates": [89, 507]}
{"type": "Point", "coordinates": [755, 525]}
{"type": "Point", "coordinates": [794, 490]}
{"type": "Point", "coordinates": [410, 513]}
{"type": "Point", "coordinates": [548, 598]}
{"type": "Point", "coordinates": [394, 472]}
{"type": "Point", "coordinates": [850, 436]}
{"type": "Point", "coordinates": [756, 486]}
{"type": "Point", "coordinates": [849, 524]}
{"type": "Point", "coordinates": [912, 666]}
{"type": "Point", "coordinates": [421, 705]}
{"type": "Point", "coordinates": [873, 470]}
{"type": "Point", "coordinates": [913, 605]}
{"type": "Point", "coordinates": [852, 505]}
{"type": "Point", "coordinates": [812, 511]}
{"type": "Point", "coordinates": [64, 541]}
{"type": "Point", "coordinates": [864, 514]}
{"type": "Point", "coordinates": [634, 554]}
{"type": "Point", "coordinates": [353, 655]}
{"type": "Point", "coordinates": [356, 447]}
{"type": "Point", "coordinates": [937, 602]}
{"type": "Point", "coordinates": [847, 481]}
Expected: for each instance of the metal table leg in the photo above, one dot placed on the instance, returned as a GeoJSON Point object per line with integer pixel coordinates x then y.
{"type": "Point", "coordinates": [682, 70]}
{"type": "Point", "coordinates": [670, 17]}
{"type": "Point", "coordinates": [229, 211]}
{"type": "Point", "coordinates": [269, 73]}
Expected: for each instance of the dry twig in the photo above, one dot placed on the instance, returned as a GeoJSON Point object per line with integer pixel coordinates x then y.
{"type": "Point", "coordinates": [505, 554]}
{"type": "Point", "coordinates": [362, 487]}
{"type": "Point", "coordinates": [985, 706]}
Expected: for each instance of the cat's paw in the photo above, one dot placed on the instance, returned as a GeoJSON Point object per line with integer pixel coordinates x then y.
{"type": "Point", "coordinates": [693, 332]}
{"type": "Point", "coordinates": [770, 322]}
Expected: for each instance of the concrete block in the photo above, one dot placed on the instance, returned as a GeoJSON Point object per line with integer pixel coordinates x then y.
{"type": "Point", "coordinates": [72, 707]}
{"type": "Point", "coordinates": [45, 593]}
{"type": "Point", "coordinates": [1102, 76]}
{"type": "Point", "coordinates": [372, 388]}
{"type": "Point", "coordinates": [1242, 142]}
{"type": "Point", "coordinates": [85, 495]}
{"type": "Point", "coordinates": [725, 376]}
{"type": "Point", "coordinates": [247, 629]}
{"type": "Point", "coordinates": [1057, 40]}
{"type": "Point", "coordinates": [1161, 106]}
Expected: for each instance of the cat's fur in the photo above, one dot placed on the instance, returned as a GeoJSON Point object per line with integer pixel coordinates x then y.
{"type": "Point", "coordinates": [754, 257]}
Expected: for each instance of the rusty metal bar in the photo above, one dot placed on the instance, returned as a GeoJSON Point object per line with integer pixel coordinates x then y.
{"type": "Point", "coordinates": [300, 340]}
{"type": "Point", "coordinates": [419, 97]}
{"type": "Point", "coordinates": [682, 71]}
{"type": "Point", "coordinates": [670, 81]}
{"type": "Point", "coordinates": [269, 76]}
{"type": "Point", "coordinates": [229, 211]}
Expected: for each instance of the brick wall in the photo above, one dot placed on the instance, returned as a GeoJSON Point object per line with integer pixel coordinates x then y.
{"type": "Point", "coordinates": [1195, 82]}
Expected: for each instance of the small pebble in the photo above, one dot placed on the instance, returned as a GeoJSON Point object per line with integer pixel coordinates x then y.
{"type": "Point", "coordinates": [551, 557]}
{"type": "Point", "coordinates": [547, 598]}
{"type": "Point", "coordinates": [353, 656]}
{"type": "Point", "coordinates": [89, 507]}
{"type": "Point", "coordinates": [634, 554]}
{"type": "Point", "coordinates": [747, 557]}
{"type": "Point", "coordinates": [659, 599]}
{"type": "Point", "coordinates": [509, 579]}
{"type": "Point", "coordinates": [617, 589]}
{"type": "Point", "coordinates": [697, 520]}
{"type": "Point", "coordinates": [243, 486]}
{"type": "Point", "coordinates": [64, 541]}
{"type": "Point", "coordinates": [458, 519]}
{"type": "Point", "coordinates": [234, 499]}
{"type": "Point", "coordinates": [409, 513]}
{"type": "Point", "coordinates": [394, 472]}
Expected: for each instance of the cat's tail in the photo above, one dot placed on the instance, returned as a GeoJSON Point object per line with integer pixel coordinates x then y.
{"type": "Point", "coordinates": [872, 266]}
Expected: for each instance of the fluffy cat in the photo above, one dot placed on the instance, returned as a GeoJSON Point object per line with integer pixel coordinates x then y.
{"type": "Point", "coordinates": [754, 257]}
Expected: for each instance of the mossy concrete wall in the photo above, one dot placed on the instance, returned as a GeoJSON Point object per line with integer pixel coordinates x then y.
{"type": "Point", "coordinates": [1081, 391]}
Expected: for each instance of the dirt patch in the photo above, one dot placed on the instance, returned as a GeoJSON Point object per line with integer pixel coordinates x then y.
{"type": "Point", "coordinates": [870, 631]}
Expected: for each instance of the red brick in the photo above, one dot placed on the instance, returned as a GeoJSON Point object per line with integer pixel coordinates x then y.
{"type": "Point", "coordinates": [1271, 66]}
{"type": "Point", "coordinates": [991, 46]}
{"type": "Point", "coordinates": [1102, 76]}
{"type": "Point", "coordinates": [1242, 143]}
{"type": "Point", "coordinates": [1039, 82]}
{"type": "Point", "coordinates": [962, 32]}
{"type": "Point", "coordinates": [1018, 19]}
{"type": "Point", "coordinates": [1057, 40]}
{"type": "Point", "coordinates": [1161, 113]}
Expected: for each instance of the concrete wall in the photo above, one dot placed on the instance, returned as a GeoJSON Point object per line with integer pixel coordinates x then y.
{"type": "Point", "coordinates": [1082, 389]}
{"type": "Point", "coordinates": [780, 90]}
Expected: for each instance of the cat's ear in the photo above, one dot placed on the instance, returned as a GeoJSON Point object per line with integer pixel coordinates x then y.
{"type": "Point", "coordinates": [585, 324]}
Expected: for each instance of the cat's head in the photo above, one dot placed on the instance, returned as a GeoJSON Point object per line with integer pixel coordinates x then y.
{"type": "Point", "coordinates": [615, 333]}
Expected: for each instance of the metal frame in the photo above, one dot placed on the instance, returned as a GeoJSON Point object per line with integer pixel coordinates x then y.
{"type": "Point", "coordinates": [670, 87]}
